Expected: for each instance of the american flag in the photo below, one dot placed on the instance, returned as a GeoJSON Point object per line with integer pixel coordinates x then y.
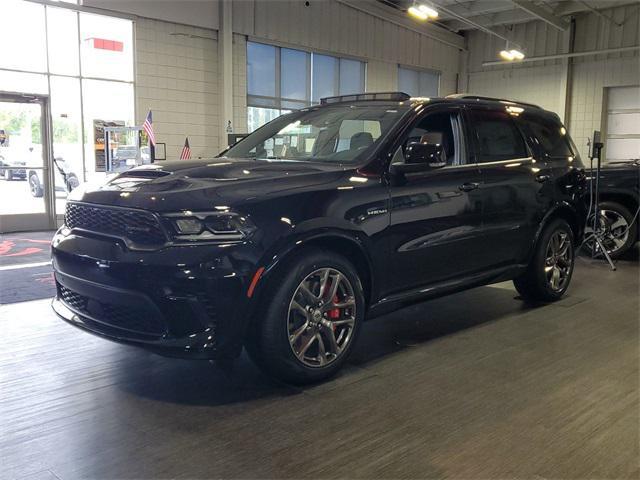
{"type": "Point", "coordinates": [186, 150]}
{"type": "Point", "coordinates": [148, 128]}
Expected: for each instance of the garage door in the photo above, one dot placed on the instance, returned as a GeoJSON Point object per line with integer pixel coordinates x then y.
{"type": "Point", "coordinates": [623, 124]}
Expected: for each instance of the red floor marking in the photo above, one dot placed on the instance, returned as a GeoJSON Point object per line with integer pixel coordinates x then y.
{"type": "Point", "coordinates": [22, 253]}
{"type": "Point", "coordinates": [48, 280]}
{"type": "Point", "coordinates": [46, 242]}
{"type": "Point", "coordinates": [6, 246]}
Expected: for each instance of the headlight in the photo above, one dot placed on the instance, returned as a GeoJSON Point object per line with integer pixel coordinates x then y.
{"type": "Point", "coordinates": [210, 226]}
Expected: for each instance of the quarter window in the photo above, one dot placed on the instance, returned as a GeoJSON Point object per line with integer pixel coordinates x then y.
{"type": "Point", "coordinates": [550, 135]}
{"type": "Point", "coordinates": [497, 137]}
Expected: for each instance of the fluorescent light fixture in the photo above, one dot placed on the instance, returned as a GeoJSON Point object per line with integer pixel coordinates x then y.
{"type": "Point", "coordinates": [417, 13]}
{"type": "Point", "coordinates": [517, 54]}
{"type": "Point", "coordinates": [431, 13]}
{"type": "Point", "coordinates": [509, 53]}
{"type": "Point", "coordinates": [506, 55]}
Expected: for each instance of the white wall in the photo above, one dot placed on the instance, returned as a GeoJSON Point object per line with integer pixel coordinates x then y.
{"type": "Point", "coordinates": [198, 13]}
{"type": "Point", "coordinates": [177, 78]}
{"type": "Point", "coordinates": [544, 82]}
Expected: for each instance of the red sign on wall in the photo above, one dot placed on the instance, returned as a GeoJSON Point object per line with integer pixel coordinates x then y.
{"type": "Point", "coordinates": [104, 44]}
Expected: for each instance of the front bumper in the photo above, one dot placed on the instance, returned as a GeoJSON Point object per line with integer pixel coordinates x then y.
{"type": "Point", "coordinates": [179, 301]}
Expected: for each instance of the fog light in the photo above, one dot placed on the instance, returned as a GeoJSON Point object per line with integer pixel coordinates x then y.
{"type": "Point", "coordinates": [188, 226]}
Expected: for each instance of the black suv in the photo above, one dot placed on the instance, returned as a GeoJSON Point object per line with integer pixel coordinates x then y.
{"type": "Point", "coordinates": [288, 240]}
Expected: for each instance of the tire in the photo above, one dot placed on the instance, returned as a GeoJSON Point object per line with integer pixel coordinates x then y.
{"type": "Point", "coordinates": [549, 272]}
{"type": "Point", "coordinates": [620, 235]}
{"type": "Point", "coordinates": [278, 341]}
{"type": "Point", "coordinates": [35, 187]}
{"type": "Point", "coordinates": [72, 182]}
{"type": "Point", "coordinates": [9, 175]}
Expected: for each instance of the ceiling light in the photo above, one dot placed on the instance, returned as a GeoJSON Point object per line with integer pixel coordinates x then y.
{"type": "Point", "coordinates": [507, 55]}
{"type": "Point", "coordinates": [517, 54]}
{"type": "Point", "coordinates": [431, 13]}
{"type": "Point", "coordinates": [417, 12]}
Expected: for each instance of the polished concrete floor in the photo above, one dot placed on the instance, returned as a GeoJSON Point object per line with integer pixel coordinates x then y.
{"type": "Point", "coordinates": [471, 386]}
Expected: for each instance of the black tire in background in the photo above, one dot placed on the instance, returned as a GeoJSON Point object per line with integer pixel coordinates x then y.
{"type": "Point", "coordinates": [9, 175]}
{"type": "Point", "coordinates": [35, 187]}
{"type": "Point", "coordinates": [535, 284]}
{"type": "Point", "coordinates": [72, 182]}
{"type": "Point", "coordinates": [269, 337]}
{"type": "Point", "coordinates": [618, 250]}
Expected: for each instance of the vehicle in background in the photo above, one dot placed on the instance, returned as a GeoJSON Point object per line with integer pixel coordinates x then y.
{"type": "Point", "coordinates": [338, 212]}
{"type": "Point", "coordinates": [11, 169]}
{"type": "Point", "coordinates": [65, 179]}
{"type": "Point", "coordinates": [618, 205]}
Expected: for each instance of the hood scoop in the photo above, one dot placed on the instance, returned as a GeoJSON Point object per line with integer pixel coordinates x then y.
{"type": "Point", "coordinates": [144, 173]}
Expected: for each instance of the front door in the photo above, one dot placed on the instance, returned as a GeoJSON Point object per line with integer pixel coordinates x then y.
{"type": "Point", "coordinates": [25, 196]}
{"type": "Point", "coordinates": [436, 214]}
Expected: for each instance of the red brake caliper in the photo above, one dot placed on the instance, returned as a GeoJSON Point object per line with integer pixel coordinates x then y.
{"type": "Point", "coordinates": [334, 314]}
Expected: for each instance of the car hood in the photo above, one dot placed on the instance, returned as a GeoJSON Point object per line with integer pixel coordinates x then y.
{"type": "Point", "coordinates": [205, 184]}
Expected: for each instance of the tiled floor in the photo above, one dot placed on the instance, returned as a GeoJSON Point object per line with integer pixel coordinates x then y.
{"type": "Point", "coordinates": [475, 385]}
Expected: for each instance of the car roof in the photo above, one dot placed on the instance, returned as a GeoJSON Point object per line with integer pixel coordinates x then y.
{"type": "Point", "coordinates": [403, 99]}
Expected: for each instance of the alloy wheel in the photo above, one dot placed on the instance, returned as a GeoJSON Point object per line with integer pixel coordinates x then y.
{"type": "Point", "coordinates": [615, 228]}
{"type": "Point", "coordinates": [322, 317]}
{"type": "Point", "coordinates": [558, 260]}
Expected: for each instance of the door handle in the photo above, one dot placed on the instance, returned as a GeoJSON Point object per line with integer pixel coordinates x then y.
{"type": "Point", "coordinates": [468, 186]}
{"type": "Point", "coordinates": [542, 178]}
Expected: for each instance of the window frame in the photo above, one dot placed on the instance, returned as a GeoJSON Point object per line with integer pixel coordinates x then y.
{"type": "Point", "coordinates": [419, 71]}
{"type": "Point", "coordinates": [473, 133]}
{"type": "Point", "coordinates": [284, 103]}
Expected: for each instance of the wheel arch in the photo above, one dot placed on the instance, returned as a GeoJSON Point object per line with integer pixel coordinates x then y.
{"type": "Point", "coordinates": [625, 199]}
{"type": "Point", "coordinates": [564, 211]}
{"type": "Point", "coordinates": [349, 245]}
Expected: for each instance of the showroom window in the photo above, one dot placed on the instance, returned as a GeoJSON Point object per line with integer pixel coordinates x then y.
{"type": "Point", "coordinates": [418, 83]}
{"type": "Point", "coordinates": [85, 63]}
{"type": "Point", "coordinates": [280, 80]}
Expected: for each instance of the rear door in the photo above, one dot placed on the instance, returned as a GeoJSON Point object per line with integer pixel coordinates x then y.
{"type": "Point", "coordinates": [510, 184]}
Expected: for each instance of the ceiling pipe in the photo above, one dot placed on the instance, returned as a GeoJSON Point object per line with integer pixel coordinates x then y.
{"type": "Point", "coordinates": [565, 55]}
{"type": "Point", "coordinates": [600, 14]}
{"type": "Point", "coordinates": [476, 25]}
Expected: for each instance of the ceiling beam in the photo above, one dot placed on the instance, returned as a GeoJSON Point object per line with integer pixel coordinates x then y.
{"type": "Point", "coordinates": [397, 17]}
{"type": "Point", "coordinates": [518, 15]}
{"type": "Point", "coordinates": [501, 18]}
{"type": "Point", "coordinates": [542, 14]}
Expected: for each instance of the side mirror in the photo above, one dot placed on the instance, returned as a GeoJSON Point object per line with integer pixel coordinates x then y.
{"type": "Point", "coordinates": [420, 157]}
{"type": "Point", "coordinates": [425, 153]}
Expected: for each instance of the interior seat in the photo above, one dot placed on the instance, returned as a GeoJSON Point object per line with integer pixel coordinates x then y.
{"type": "Point", "coordinates": [360, 140]}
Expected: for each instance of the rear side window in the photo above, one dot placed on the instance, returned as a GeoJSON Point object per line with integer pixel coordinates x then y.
{"type": "Point", "coordinates": [497, 137]}
{"type": "Point", "coordinates": [550, 136]}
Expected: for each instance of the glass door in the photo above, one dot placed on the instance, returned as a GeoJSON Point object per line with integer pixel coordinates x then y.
{"type": "Point", "coordinates": [25, 196]}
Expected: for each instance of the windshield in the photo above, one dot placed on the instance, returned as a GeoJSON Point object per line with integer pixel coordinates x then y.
{"type": "Point", "coordinates": [337, 134]}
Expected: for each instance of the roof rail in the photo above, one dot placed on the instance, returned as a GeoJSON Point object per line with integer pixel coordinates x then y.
{"type": "Point", "coordinates": [356, 97]}
{"type": "Point", "coordinates": [481, 97]}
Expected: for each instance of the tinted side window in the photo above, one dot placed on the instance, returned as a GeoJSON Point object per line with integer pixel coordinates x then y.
{"type": "Point", "coordinates": [497, 137]}
{"type": "Point", "coordinates": [550, 135]}
{"type": "Point", "coordinates": [444, 128]}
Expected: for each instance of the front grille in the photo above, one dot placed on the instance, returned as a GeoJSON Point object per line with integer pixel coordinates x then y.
{"type": "Point", "coordinates": [133, 319]}
{"type": "Point", "coordinates": [139, 227]}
